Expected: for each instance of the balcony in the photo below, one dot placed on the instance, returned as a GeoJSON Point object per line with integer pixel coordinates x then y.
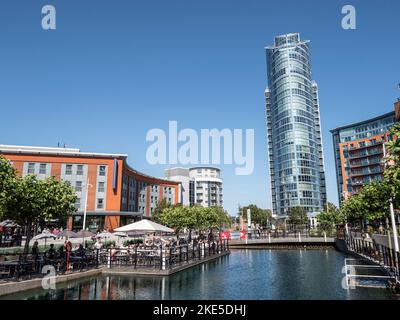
{"type": "Point", "coordinates": [366, 145]}
{"type": "Point", "coordinates": [367, 172]}
{"type": "Point", "coordinates": [364, 163]}
{"type": "Point", "coordinates": [365, 154]}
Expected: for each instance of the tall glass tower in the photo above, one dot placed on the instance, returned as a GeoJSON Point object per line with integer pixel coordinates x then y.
{"type": "Point", "coordinates": [294, 129]}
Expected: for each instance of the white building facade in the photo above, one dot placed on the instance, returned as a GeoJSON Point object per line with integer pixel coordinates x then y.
{"type": "Point", "coordinates": [199, 185]}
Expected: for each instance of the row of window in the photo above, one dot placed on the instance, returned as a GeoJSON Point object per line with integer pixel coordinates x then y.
{"type": "Point", "coordinates": [68, 169]}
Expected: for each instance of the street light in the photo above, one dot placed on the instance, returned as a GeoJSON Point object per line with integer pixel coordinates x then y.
{"type": "Point", "coordinates": [86, 199]}
{"type": "Point", "coordinates": [395, 237]}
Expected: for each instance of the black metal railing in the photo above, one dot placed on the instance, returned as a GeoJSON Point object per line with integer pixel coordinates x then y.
{"type": "Point", "coordinates": [378, 253]}
{"type": "Point", "coordinates": [274, 234]}
{"type": "Point", "coordinates": [162, 257]}
{"type": "Point", "coordinates": [28, 266]}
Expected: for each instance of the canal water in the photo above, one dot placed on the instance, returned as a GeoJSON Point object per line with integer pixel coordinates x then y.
{"type": "Point", "coordinates": [244, 274]}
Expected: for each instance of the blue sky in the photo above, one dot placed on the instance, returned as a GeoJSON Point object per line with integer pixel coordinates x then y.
{"type": "Point", "coordinates": [112, 70]}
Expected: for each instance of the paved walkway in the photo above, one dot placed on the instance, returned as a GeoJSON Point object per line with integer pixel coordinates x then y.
{"type": "Point", "coordinates": [292, 240]}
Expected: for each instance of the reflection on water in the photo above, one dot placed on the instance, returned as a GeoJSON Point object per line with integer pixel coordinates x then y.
{"type": "Point", "coordinates": [245, 274]}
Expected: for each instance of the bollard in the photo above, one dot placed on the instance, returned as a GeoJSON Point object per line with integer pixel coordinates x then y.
{"type": "Point", "coordinates": [299, 237]}
{"type": "Point", "coordinates": [163, 263]}
{"type": "Point", "coordinates": [325, 236]}
{"type": "Point", "coordinates": [269, 238]}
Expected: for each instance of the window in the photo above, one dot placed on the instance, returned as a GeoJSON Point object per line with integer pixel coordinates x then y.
{"type": "Point", "coordinates": [79, 170]}
{"type": "Point", "coordinates": [78, 186]}
{"type": "Point", "coordinates": [31, 168]}
{"type": "Point", "coordinates": [102, 170]}
{"type": "Point", "coordinates": [78, 203]}
{"type": "Point", "coordinates": [68, 169]}
{"type": "Point", "coordinates": [100, 203]}
{"type": "Point", "coordinates": [101, 187]}
{"type": "Point", "coordinates": [42, 168]}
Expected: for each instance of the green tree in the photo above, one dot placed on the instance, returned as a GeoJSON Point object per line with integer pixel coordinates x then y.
{"type": "Point", "coordinates": [297, 217]}
{"type": "Point", "coordinates": [329, 218]}
{"type": "Point", "coordinates": [392, 162]}
{"type": "Point", "coordinates": [258, 215]}
{"type": "Point", "coordinates": [194, 218]}
{"type": "Point", "coordinates": [8, 179]}
{"type": "Point", "coordinates": [33, 201]}
{"type": "Point", "coordinates": [161, 205]}
{"type": "Point", "coordinates": [174, 217]}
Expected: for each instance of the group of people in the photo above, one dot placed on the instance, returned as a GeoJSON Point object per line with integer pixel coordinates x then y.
{"type": "Point", "coordinates": [62, 252]}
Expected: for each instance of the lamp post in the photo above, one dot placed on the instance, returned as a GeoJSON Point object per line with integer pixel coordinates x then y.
{"type": "Point", "coordinates": [86, 199]}
{"type": "Point", "coordinates": [395, 236]}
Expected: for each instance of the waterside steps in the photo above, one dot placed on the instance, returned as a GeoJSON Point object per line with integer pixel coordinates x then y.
{"type": "Point", "coordinates": [367, 274]}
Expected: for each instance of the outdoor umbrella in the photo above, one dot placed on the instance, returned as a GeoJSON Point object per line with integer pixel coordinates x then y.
{"type": "Point", "coordinates": [67, 233]}
{"type": "Point", "coordinates": [145, 225]}
{"type": "Point", "coordinates": [85, 234]}
{"type": "Point", "coordinates": [120, 234]}
{"type": "Point", "coordinates": [44, 235]}
{"type": "Point", "coordinates": [104, 234]}
{"type": "Point", "coordinates": [8, 224]}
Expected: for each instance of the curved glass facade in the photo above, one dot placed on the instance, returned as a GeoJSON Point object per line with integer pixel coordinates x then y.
{"type": "Point", "coordinates": [294, 130]}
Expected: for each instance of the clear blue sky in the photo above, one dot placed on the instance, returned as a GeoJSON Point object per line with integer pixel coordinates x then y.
{"type": "Point", "coordinates": [115, 69]}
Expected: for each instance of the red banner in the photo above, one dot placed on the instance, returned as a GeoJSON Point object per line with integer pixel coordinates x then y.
{"type": "Point", "coordinates": [243, 234]}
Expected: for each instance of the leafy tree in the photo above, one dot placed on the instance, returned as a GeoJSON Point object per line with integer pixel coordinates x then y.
{"type": "Point", "coordinates": [33, 201]}
{"type": "Point", "coordinates": [194, 218]}
{"type": "Point", "coordinates": [371, 203]}
{"type": "Point", "coordinates": [174, 217]}
{"type": "Point", "coordinates": [258, 215]}
{"type": "Point", "coordinates": [297, 217]}
{"type": "Point", "coordinates": [8, 179]}
{"type": "Point", "coordinates": [329, 218]}
{"type": "Point", "coordinates": [161, 205]}
{"type": "Point", "coordinates": [392, 161]}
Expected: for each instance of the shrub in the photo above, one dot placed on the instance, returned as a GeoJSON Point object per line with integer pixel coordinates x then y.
{"type": "Point", "coordinates": [109, 243]}
{"type": "Point", "coordinates": [132, 241]}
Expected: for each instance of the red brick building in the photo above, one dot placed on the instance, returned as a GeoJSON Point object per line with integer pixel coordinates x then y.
{"type": "Point", "coordinates": [115, 193]}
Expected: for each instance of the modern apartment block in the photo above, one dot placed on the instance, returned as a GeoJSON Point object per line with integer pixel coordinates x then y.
{"type": "Point", "coordinates": [359, 152]}
{"type": "Point", "coordinates": [295, 150]}
{"type": "Point", "coordinates": [116, 193]}
{"type": "Point", "coordinates": [200, 185]}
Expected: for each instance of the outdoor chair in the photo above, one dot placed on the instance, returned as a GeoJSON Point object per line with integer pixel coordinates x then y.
{"type": "Point", "coordinates": [5, 272]}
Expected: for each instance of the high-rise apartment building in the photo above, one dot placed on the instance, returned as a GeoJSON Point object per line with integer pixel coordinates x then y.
{"type": "Point", "coordinates": [294, 130]}
{"type": "Point", "coordinates": [199, 185]}
{"type": "Point", "coordinates": [358, 149]}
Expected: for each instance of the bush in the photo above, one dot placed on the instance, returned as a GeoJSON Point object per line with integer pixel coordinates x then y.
{"type": "Point", "coordinates": [19, 250]}
{"type": "Point", "coordinates": [109, 243]}
{"type": "Point", "coordinates": [89, 243]}
{"type": "Point", "coordinates": [132, 241]}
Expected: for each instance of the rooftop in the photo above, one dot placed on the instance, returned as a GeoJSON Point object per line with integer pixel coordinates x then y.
{"type": "Point", "coordinates": [364, 121]}
{"type": "Point", "coordinates": [56, 151]}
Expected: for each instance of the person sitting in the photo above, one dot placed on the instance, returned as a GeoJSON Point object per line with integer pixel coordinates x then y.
{"type": "Point", "coordinates": [51, 253]}
{"type": "Point", "coordinates": [80, 252]}
{"type": "Point", "coordinates": [61, 253]}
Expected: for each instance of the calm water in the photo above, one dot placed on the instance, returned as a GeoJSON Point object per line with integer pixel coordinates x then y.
{"type": "Point", "coordinates": [245, 274]}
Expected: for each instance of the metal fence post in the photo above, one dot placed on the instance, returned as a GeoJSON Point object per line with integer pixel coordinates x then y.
{"type": "Point", "coordinates": [162, 259]}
